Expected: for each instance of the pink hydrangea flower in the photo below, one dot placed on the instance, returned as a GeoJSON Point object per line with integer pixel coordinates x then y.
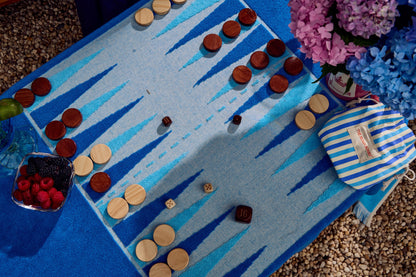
{"type": "Point", "coordinates": [312, 26]}
{"type": "Point", "coordinates": [367, 17]}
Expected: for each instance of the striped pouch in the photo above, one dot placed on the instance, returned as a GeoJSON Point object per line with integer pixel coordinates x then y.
{"type": "Point", "coordinates": [368, 144]}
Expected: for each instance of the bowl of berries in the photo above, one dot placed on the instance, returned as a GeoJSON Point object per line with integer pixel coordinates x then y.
{"type": "Point", "coordinates": [43, 182]}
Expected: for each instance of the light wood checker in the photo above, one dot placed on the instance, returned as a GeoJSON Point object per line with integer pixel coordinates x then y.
{"type": "Point", "coordinates": [305, 120]}
{"type": "Point", "coordinates": [318, 103]}
{"type": "Point", "coordinates": [83, 166]}
{"type": "Point", "coordinates": [160, 270]}
{"type": "Point", "coordinates": [179, 2]}
{"type": "Point", "coordinates": [100, 153]}
{"type": "Point", "coordinates": [161, 7]}
{"type": "Point", "coordinates": [117, 208]}
{"type": "Point", "coordinates": [135, 194]}
{"type": "Point", "coordinates": [164, 235]}
{"type": "Point", "coordinates": [178, 259]}
{"type": "Point", "coordinates": [144, 17]}
{"type": "Point", "coordinates": [146, 250]}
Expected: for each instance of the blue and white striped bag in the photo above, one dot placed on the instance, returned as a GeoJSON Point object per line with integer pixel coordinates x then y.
{"type": "Point", "coordinates": [368, 144]}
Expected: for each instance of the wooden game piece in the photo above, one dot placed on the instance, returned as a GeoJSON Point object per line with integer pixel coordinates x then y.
{"type": "Point", "coordinates": [144, 16]}
{"type": "Point", "coordinates": [41, 86]}
{"type": "Point", "coordinates": [160, 270]}
{"type": "Point", "coordinates": [247, 17]}
{"type": "Point", "coordinates": [170, 203]}
{"type": "Point", "coordinates": [278, 83]}
{"type": "Point", "coordinates": [243, 214]}
{"type": "Point", "coordinates": [166, 121]}
{"type": "Point", "coordinates": [117, 208]}
{"type": "Point", "coordinates": [318, 103]}
{"type": "Point", "coordinates": [179, 2]}
{"type": "Point", "coordinates": [259, 60]}
{"type": "Point", "coordinates": [72, 118]}
{"type": "Point", "coordinates": [164, 235]}
{"type": "Point", "coordinates": [146, 250]}
{"type": "Point", "coordinates": [66, 148]}
{"type": "Point", "coordinates": [55, 130]}
{"type": "Point", "coordinates": [100, 153]}
{"type": "Point", "coordinates": [135, 194]}
{"type": "Point", "coordinates": [212, 42]}
{"type": "Point", "coordinates": [25, 97]}
{"type": "Point", "coordinates": [231, 29]}
{"type": "Point", "coordinates": [83, 166]}
{"type": "Point", "coordinates": [178, 259]}
{"type": "Point", "coordinates": [208, 188]}
{"type": "Point", "coordinates": [293, 66]}
{"type": "Point", "coordinates": [161, 7]}
{"type": "Point", "coordinates": [305, 120]}
{"type": "Point", "coordinates": [275, 47]}
{"type": "Point", "coordinates": [237, 119]}
{"type": "Point", "coordinates": [100, 182]}
{"type": "Point", "coordinates": [242, 74]}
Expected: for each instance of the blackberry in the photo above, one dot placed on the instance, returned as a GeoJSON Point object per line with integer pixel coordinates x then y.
{"type": "Point", "coordinates": [31, 167]}
{"type": "Point", "coordinates": [46, 171]}
{"type": "Point", "coordinates": [39, 163]}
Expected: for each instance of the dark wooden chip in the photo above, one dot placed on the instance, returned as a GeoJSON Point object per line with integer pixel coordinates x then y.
{"type": "Point", "coordinates": [231, 29]}
{"type": "Point", "coordinates": [41, 86]}
{"type": "Point", "coordinates": [72, 118]}
{"type": "Point", "coordinates": [66, 148]}
{"type": "Point", "coordinates": [55, 130]}
{"type": "Point", "coordinates": [275, 47]}
{"type": "Point", "coordinates": [259, 60]}
{"type": "Point", "coordinates": [278, 83]}
{"type": "Point", "coordinates": [25, 97]}
{"type": "Point", "coordinates": [100, 182]}
{"type": "Point", "coordinates": [293, 66]}
{"type": "Point", "coordinates": [247, 17]}
{"type": "Point", "coordinates": [212, 42]}
{"type": "Point", "coordinates": [242, 74]}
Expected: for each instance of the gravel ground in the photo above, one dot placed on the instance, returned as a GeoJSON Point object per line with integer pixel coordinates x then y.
{"type": "Point", "coordinates": [33, 32]}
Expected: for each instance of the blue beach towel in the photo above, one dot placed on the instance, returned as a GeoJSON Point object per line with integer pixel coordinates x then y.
{"type": "Point", "coordinates": [368, 144]}
{"type": "Point", "coordinates": [368, 204]}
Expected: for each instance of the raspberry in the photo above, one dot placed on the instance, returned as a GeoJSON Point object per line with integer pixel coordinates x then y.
{"type": "Point", "coordinates": [46, 204]}
{"type": "Point", "coordinates": [17, 194]}
{"type": "Point", "coordinates": [23, 185]}
{"type": "Point", "coordinates": [58, 198]}
{"type": "Point", "coordinates": [46, 183]}
{"type": "Point", "coordinates": [37, 177]}
{"type": "Point", "coordinates": [27, 197]}
{"type": "Point", "coordinates": [23, 170]}
{"type": "Point", "coordinates": [20, 178]}
{"type": "Point", "coordinates": [55, 205]}
{"type": "Point", "coordinates": [52, 191]}
{"type": "Point", "coordinates": [35, 189]}
{"type": "Point", "coordinates": [43, 196]}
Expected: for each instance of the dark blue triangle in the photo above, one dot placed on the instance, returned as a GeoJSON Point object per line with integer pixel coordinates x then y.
{"type": "Point", "coordinates": [241, 268]}
{"type": "Point", "coordinates": [284, 135]}
{"type": "Point", "coordinates": [88, 136]}
{"type": "Point", "coordinates": [258, 37]}
{"type": "Point", "coordinates": [51, 110]}
{"type": "Point", "coordinates": [192, 242]}
{"type": "Point", "coordinates": [220, 14]}
{"type": "Point", "coordinates": [129, 228]}
{"type": "Point", "coordinates": [323, 165]}
{"type": "Point", "coordinates": [120, 169]}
